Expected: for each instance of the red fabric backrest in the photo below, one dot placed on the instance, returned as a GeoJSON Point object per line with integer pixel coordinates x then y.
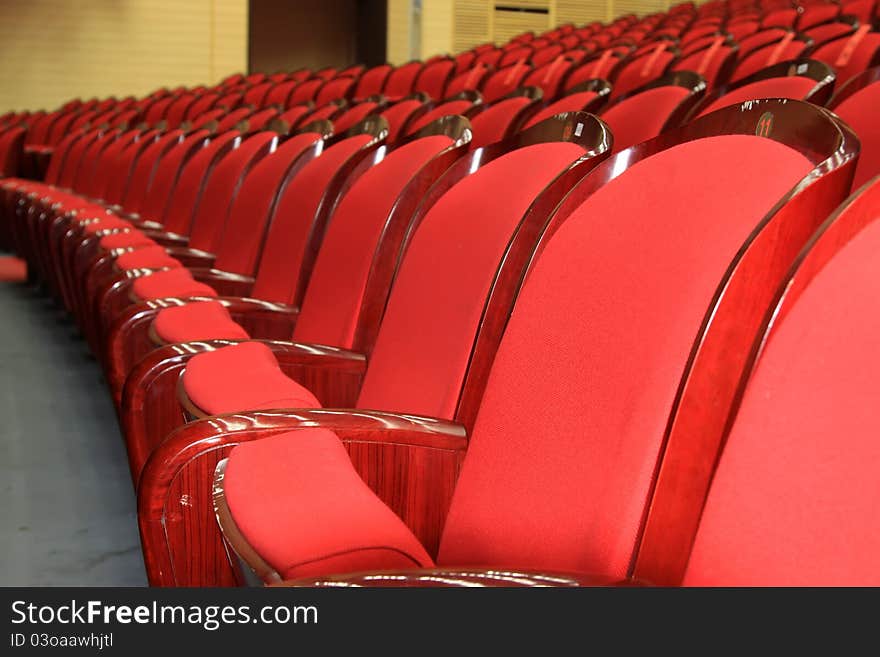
{"type": "Point", "coordinates": [443, 109]}
{"type": "Point", "coordinates": [221, 189]}
{"type": "Point", "coordinates": [397, 115]}
{"type": "Point", "coordinates": [816, 14]}
{"type": "Point", "coordinates": [513, 55]}
{"type": "Point", "coordinates": [252, 208]}
{"type": "Point", "coordinates": [82, 161]}
{"type": "Point", "coordinates": [794, 499]}
{"type": "Point", "coordinates": [549, 76]}
{"type": "Point", "coordinates": [780, 17]}
{"type": "Point", "coordinates": [145, 168]}
{"type": "Point", "coordinates": [61, 127]}
{"type": "Point", "coordinates": [739, 31]}
{"type": "Point", "coordinates": [642, 116]}
{"type": "Point", "coordinates": [860, 60]}
{"type": "Point", "coordinates": [279, 273]}
{"type": "Point", "coordinates": [334, 295]}
{"type": "Point", "coordinates": [279, 92]}
{"type": "Point", "coordinates": [305, 91]}
{"type": "Point", "coordinates": [711, 67]}
{"type": "Point", "coordinates": [598, 67]}
{"type": "Point", "coordinates": [401, 80]}
{"type": "Point", "coordinates": [372, 81]}
{"type": "Point", "coordinates": [493, 123]}
{"type": "Point", "coordinates": [566, 441]}
{"type": "Point", "coordinates": [177, 111]}
{"type": "Point", "coordinates": [256, 94]}
{"type": "Point", "coordinates": [432, 79]}
{"type": "Point", "coordinates": [59, 157]}
{"type": "Point", "coordinates": [352, 116]}
{"type": "Point", "coordinates": [489, 57]}
{"type": "Point", "coordinates": [760, 39]}
{"type": "Point", "coordinates": [39, 128]}
{"type": "Point", "coordinates": [861, 9]}
{"type": "Point", "coordinates": [503, 81]}
{"type": "Point", "coordinates": [156, 111]}
{"type": "Point", "coordinates": [203, 103]}
{"type": "Point", "coordinates": [546, 55]}
{"type": "Point", "coordinates": [323, 112]}
{"type": "Point", "coordinates": [120, 175]}
{"type": "Point", "coordinates": [829, 31]}
{"type": "Point", "coordinates": [468, 80]}
{"type": "Point", "coordinates": [794, 86]}
{"type": "Point", "coordinates": [334, 90]}
{"type": "Point", "coordinates": [11, 144]}
{"type": "Point", "coordinates": [860, 112]}
{"type": "Point", "coordinates": [109, 168]}
{"type": "Point", "coordinates": [571, 103]}
{"type": "Point", "coordinates": [232, 119]}
{"type": "Point", "coordinates": [260, 119]}
{"type": "Point", "coordinates": [181, 206]}
{"type": "Point", "coordinates": [441, 289]}
{"type": "Point", "coordinates": [766, 56]}
{"type": "Point", "coordinates": [295, 114]}
{"type": "Point", "coordinates": [165, 177]}
{"type": "Point", "coordinates": [641, 71]}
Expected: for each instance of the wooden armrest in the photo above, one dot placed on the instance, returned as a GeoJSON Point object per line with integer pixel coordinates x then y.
{"type": "Point", "coordinates": [459, 577]}
{"type": "Point", "coordinates": [191, 257]}
{"type": "Point", "coordinates": [411, 463]}
{"type": "Point", "coordinates": [227, 284]}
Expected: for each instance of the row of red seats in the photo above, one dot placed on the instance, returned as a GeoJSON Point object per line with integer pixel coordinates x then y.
{"type": "Point", "coordinates": [189, 260]}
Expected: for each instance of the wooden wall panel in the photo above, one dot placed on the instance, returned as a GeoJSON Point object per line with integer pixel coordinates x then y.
{"type": "Point", "coordinates": [54, 50]}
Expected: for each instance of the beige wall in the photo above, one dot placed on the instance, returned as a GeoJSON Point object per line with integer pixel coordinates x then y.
{"type": "Point", "coordinates": [54, 50]}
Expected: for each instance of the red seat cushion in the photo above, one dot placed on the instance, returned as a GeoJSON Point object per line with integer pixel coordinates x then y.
{"type": "Point", "coordinates": [198, 320]}
{"type": "Point", "coordinates": [860, 112]}
{"type": "Point", "coordinates": [149, 257]}
{"type": "Point", "coordinates": [240, 378]}
{"type": "Point", "coordinates": [176, 282]}
{"type": "Point", "coordinates": [127, 239]}
{"type": "Point", "coordinates": [571, 103]}
{"type": "Point", "coordinates": [299, 502]}
{"type": "Point", "coordinates": [642, 116]}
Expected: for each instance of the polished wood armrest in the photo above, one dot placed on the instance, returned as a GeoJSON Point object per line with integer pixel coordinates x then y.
{"type": "Point", "coordinates": [191, 257]}
{"type": "Point", "coordinates": [460, 577]}
{"type": "Point", "coordinates": [411, 463]}
{"type": "Point", "coordinates": [227, 284]}
{"type": "Point", "coordinates": [152, 405]}
{"type": "Point", "coordinates": [164, 238]}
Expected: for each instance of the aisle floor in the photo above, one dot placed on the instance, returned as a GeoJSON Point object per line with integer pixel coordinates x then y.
{"type": "Point", "coordinates": [68, 512]}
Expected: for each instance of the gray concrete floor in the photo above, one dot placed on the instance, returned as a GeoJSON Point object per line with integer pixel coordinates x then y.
{"type": "Point", "coordinates": [67, 513]}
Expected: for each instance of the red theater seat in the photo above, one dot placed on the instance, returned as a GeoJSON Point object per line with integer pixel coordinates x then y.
{"type": "Point", "coordinates": [856, 103]}
{"type": "Point", "coordinates": [537, 491]}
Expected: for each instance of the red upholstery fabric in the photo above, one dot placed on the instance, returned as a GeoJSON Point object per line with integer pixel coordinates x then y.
{"type": "Point", "coordinates": [305, 91]}
{"type": "Point", "coordinates": [279, 273]}
{"type": "Point", "coordinates": [760, 39]}
{"type": "Point", "coordinates": [397, 115]}
{"type": "Point", "coordinates": [860, 112]}
{"type": "Point", "coordinates": [198, 320]}
{"type": "Point", "coordinates": [433, 78]}
{"type": "Point", "coordinates": [250, 212]}
{"type": "Point", "coordinates": [132, 238]}
{"type": "Point", "coordinates": [549, 76]}
{"type": "Point", "coordinates": [862, 57]}
{"type": "Point", "coordinates": [400, 82]}
{"type": "Point", "coordinates": [565, 445]}
{"type": "Point", "coordinates": [493, 123]}
{"type": "Point", "coordinates": [739, 31]}
{"type": "Point", "coordinates": [242, 377]}
{"type": "Point", "coordinates": [469, 79]}
{"type": "Point", "coordinates": [571, 103]}
{"type": "Point", "coordinates": [641, 71]}
{"type": "Point", "coordinates": [441, 287]}
{"type": "Point", "coordinates": [107, 222]}
{"type": "Point", "coordinates": [372, 81]}
{"type": "Point", "coordinates": [443, 109]}
{"type": "Point", "coordinates": [708, 68]}
{"type": "Point", "coordinates": [788, 87]}
{"type": "Point", "coordinates": [766, 56]}
{"type": "Point", "coordinates": [166, 174]}
{"type": "Point", "coordinates": [333, 299]}
{"type": "Point", "coordinates": [294, 115]}
{"type": "Point", "coordinates": [181, 206]}
{"type": "Point", "coordinates": [642, 116]}
{"type": "Point", "coordinates": [177, 282]}
{"type": "Point", "coordinates": [353, 116]}
{"type": "Point", "coordinates": [148, 257]}
{"type": "Point", "coordinates": [221, 189]}
{"type": "Point", "coordinates": [144, 169]}
{"type": "Point", "coordinates": [817, 14]}
{"type": "Point", "coordinates": [334, 90]}
{"type": "Point", "coordinates": [299, 502]}
{"type": "Point", "coordinates": [794, 499]}
{"type": "Point", "coordinates": [829, 31]}
{"type": "Point", "coordinates": [503, 81]}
